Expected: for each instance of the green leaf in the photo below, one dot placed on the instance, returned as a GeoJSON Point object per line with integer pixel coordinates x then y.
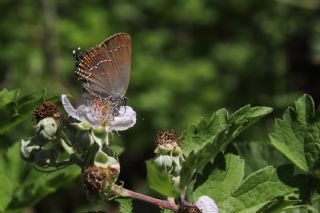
{"type": "Point", "coordinates": [8, 96]}
{"type": "Point", "coordinates": [6, 192]}
{"type": "Point", "coordinates": [10, 167]}
{"type": "Point", "coordinates": [197, 159]}
{"type": "Point", "coordinates": [198, 136]}
{"type": "Point", "coordinates": [259, 155]}
{"type": "Point", "coordinates": [260, 187]}
{"type": "Point", "coordinates": [297, 135]}
{"type": "Point", "coordinates": [18, 109]}
{"type": "Point", "coordinates": [14, 110]}
{"type": "Point", "coordinates": [223, 180]}
{"type": "Point", "coordinates": [245, 117]}
{"type": "Point", "coordinates": [37, 185]}
{"type": "Point", "coordinates": [283, 204]}
{"type": "Point", "coordinates": [208, 138]}
{"type": "Point", "coordinates": [257, 190]}
{"type": "Point", "coordinates": [125, 205]}
{"type": "Point", "coordinates": [160, 181]}
{"type": "Point", "coordinates": [22, 186]}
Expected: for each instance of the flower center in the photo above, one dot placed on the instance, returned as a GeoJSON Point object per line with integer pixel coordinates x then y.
{"type": "Point", "coordinates": [103, 109]}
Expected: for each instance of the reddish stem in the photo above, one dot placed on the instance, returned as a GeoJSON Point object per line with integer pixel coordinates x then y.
{"type": "Point", "coordinates": [161, 203]}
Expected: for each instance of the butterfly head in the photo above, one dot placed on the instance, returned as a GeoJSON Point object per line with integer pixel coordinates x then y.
{"type": "Point", "coordinates": [77, 55]}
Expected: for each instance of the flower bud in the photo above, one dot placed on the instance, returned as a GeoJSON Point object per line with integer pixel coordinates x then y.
{"type": "Point", "coordinates": [45, 157]}
{"type": "Point", "coordinates": [206, 205]}
{"type": "Point", "coordinates": [82, 142]}
{"type": "Point", "coordinates": [47, 128]}
{"type": "Point", "coordinates": [168, 152]}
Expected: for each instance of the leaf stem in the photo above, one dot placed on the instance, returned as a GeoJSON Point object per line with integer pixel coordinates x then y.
{"type": "Point", "coordinates": [310, 191]}
{"type": "Point", "coordinates": [160, 203]}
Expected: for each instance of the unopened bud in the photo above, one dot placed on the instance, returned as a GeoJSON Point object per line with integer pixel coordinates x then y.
{"type": "Point", "coordinates": [45, 158]}
{"type": "Point", "coordinates": [83, 141]}
{"type": "Point", "coordinates": [47, 128]}
{"type": "Point", "coordinates": [206, 205]}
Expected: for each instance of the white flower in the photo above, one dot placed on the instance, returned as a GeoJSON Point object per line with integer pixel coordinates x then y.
{"type": "Point", "coordinates": [206, 205]}
{"type": "Point", "coordinates": [96, 113]}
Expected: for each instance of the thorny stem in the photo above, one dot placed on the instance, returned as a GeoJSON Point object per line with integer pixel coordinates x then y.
{"type": "Point", "coordinates": [161, 203]}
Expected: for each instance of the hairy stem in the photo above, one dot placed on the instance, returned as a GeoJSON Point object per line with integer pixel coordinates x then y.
{"type": "Point", "coordinates": [160, 203]}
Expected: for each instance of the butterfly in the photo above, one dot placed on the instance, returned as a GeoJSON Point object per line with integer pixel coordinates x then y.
{"type": "Point", "coordinates": [104, 70]}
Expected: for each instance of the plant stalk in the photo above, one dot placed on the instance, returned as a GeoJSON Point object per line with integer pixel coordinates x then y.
{"type": "Point", "coordinates": [160, 203]}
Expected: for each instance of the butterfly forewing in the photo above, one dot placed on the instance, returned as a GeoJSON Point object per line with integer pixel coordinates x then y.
{"type": "Point", "coordinates": [105, 69]}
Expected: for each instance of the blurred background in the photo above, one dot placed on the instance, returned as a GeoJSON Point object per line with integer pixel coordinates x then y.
{"type": "Point", "coordinates": [189, 59]}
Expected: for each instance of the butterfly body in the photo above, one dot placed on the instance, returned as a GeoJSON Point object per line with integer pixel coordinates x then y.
{"type": "Point", "coordinates": [104, 70]}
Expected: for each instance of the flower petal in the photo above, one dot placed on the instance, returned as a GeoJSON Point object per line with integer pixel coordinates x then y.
{"type": "Point", "coordinates": [68, 107]}
{"type": "Point", "coordinates": [88, 114]}
{"type": "Point", "coordinates": [125, 119]}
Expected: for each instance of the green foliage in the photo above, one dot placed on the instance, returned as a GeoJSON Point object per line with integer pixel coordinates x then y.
{"type": "Point", "coordinates": [15, 109]}
{"type": "Point", "coordinates": [125, 205]}
{"type": "Point", "coordinates": [297, 135]}
{"type": "Point", "coordinates": [210, 137]}
{"type": "Point", "coordinates": [223, 180]}
{"type": "Point", "coordinates": [232, 193]}
{"type": "Point", "coordinates": [219, 53]}
{"type": "Point", "coordinates": [23, 186]}
{"type": "Point", "coordinates": [160, 181]}
{"type": "Point", "coordinates": [207, 171]}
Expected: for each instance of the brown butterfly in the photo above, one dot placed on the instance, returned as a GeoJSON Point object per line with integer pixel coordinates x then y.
{"type": "Point", "coordinates": [104, 70]}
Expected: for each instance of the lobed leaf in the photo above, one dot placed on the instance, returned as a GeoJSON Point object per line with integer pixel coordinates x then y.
{"type": "Point", "coordinates": [203, 142]}
{"type": "Point", "coordinates": [297, 135]}
{"type": "Point", "coordinates": [222, 181]}
{"type": "Point", "coordinates": [234, 195]}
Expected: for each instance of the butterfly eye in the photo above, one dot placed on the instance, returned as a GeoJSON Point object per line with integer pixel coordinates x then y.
{"type": "Point", "coordinates": [77, 55]}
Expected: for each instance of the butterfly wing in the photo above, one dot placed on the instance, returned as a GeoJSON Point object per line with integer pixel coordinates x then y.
{"type": "Point", "coordinates": [105, 69]}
